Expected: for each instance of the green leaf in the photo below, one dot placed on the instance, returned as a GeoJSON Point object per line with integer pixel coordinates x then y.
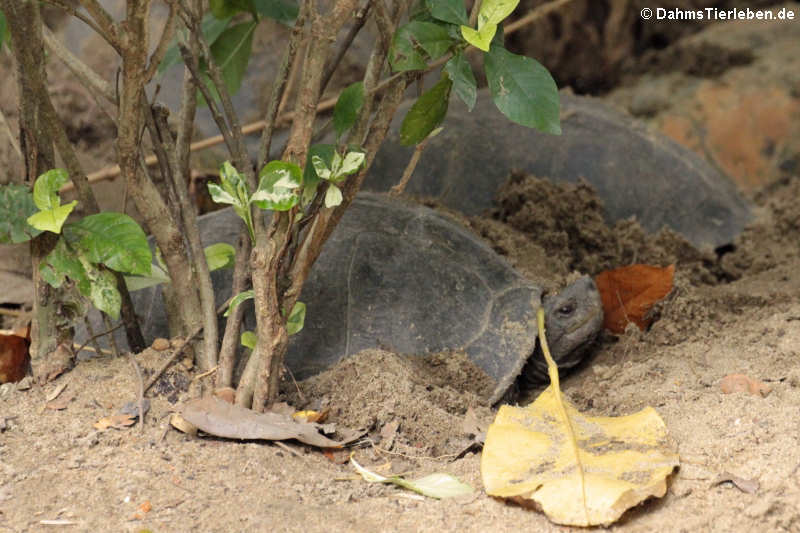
{"type": "Point", "coordinates": [495, 11]}
{"type": "Point", "coordinates": [62, 263]}
{"type": "Point", "coordinates": [426, 113]}
{"type": "Point", "coordinates": [238, 299]}
{"type": "Point", "coordinates": [16, 205]}
{"type": "Point", "coordinates": [113, 239]}
{"type": "Point", "coordinates": [276, 190]}
{"type": "Point", "coordinates": [523, 90]}
{"type": "Point", "coordinates": [52, 219]}
{"type": "Point", "coordinates": [310, 178]}
{"type": "Point", "coordinates": [339, 167]}
{"type": "Point", "coordinates": [464, 84]}
{"type": "Point", "coordinates": [297, 317]}
{"type": "Point", "coordinates": [233, 191]}
{"type": "Point", "coordinates": [279, 10]}
{"type": "Point", "coordinates": [219, 255]}
{"type": "Point", "coordinates": [452, 11]}
{"type": "Point", "coordinates": [221, 196]}
{"type": "Point", "coordinates": [227, 8]}
{"type": "Point", "coordinates": [231, 52]}
{"type": "Point", "coordinates": [211, 27]}
{"type": "Point", "coordinates": [481, 38]}
{"type": "Point", "coordinates": [321, 168]}
{"type": "Point", "coordinates": [46, 187]}
{"type": "Point", "coordinates": [433, 38]}
{"type": "Point", "coordinates": [351, 163]}
{"type": "Point", "coordinates": [347, 107]}
{"type": "Point", "coordinates": [103, 291]}
{"type": "Point", "coordinates": [98, 284]}
{"type": "Point", "coordinates": [333, 196]}
{"type": "Point", "coordinates": [234, 188]}
{"type": "Point", "coordinates": [157, 277]}
{"type": "Point", "coordinates": [248, 339]}
{"type": "Point", "coordinates": [403, 53]}
{"type": "Point", "coordinates": [438, 485]}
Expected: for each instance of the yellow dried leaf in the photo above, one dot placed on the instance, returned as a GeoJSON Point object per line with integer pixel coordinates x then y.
{"type": "Point", "coordinates": [115, 421]}
{"type": "Point", "coordinates": [579, 470]}
{"type": "Point", "coordinates": [311, 416]}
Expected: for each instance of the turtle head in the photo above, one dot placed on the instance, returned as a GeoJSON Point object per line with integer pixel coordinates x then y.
{"type": "Point", "coordinates": [573, 318]}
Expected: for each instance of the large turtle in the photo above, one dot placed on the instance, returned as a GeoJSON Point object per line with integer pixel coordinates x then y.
{"type": "Point", "coordinates": [635, 171]}
{"type": "Point", "coordinates": [399, 275]}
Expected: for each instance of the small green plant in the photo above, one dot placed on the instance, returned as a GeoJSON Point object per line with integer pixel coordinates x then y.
{"type": "Point", "coordinates": [278, 190]}
{"type": "Point", "coordinates": [87, 248]}
{"type": "Point", "coordinates": [282, 186]}
{"type": "Point", "coordinates": [522, 89]}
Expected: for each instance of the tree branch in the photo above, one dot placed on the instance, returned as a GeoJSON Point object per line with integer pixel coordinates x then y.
{"type": "Point", "coordinates": [189, 214]}
{"type": "Point", "coordinates": [88, 77]}
{"type": "Point", "coordinates": [108, 28]}
{"type": "Point", "coordinates": [280, 82]}
{"type": "Point", "coordinates": [86, 20]}
{"type": "Point", "coordinates": [163, 41]}
{"type": "Point", "coordinates": [361, 19]}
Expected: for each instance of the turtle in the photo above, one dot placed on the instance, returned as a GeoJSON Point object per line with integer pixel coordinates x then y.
{"type": "Point", "coordinates": [634, 170]}
{"type": "Point", "coordinates": [399, 275]}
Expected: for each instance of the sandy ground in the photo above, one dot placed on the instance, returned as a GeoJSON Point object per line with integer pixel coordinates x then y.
{"type": "Point", "coordinates": [735, 314]}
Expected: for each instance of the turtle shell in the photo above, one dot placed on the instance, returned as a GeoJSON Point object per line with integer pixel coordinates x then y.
{"type": "Point", "coordinates": [402, 276]}
{"type": "Point", "coordinates": [635, 171]}
{"type": "Point", "coordinates": [396, 275]}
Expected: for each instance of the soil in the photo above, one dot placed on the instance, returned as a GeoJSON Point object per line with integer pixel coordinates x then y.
{"type": "Point", "coordinates": [728, 314]}
{"type": "Point", "coordinates": [733, 310]}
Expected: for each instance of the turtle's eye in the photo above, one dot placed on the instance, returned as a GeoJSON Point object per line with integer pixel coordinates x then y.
{"type": "Point", "coordinates": [567, 309]}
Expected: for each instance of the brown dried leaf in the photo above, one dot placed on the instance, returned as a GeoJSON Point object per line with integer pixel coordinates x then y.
{"type": "Point", "coordinates": [750, 486]}
{"type": "Point", "coordinates": [115, 421]}
{"type": "Point", "coordinates": [60, 403]}
{"type": "Point", "coordinates": [14, 358]}
{"type": "Point", "coordinates": [628, 293]}
{"type": "Point", "coordinates": [215, 417]}
{"type": "Point", "coordinates": [55, 393]}
{"type": "Point", "coordinates": [742, 383]}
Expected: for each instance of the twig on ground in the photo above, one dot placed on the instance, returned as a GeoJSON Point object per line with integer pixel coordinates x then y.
{"type": "Point", "coordinates": [205, 374]}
